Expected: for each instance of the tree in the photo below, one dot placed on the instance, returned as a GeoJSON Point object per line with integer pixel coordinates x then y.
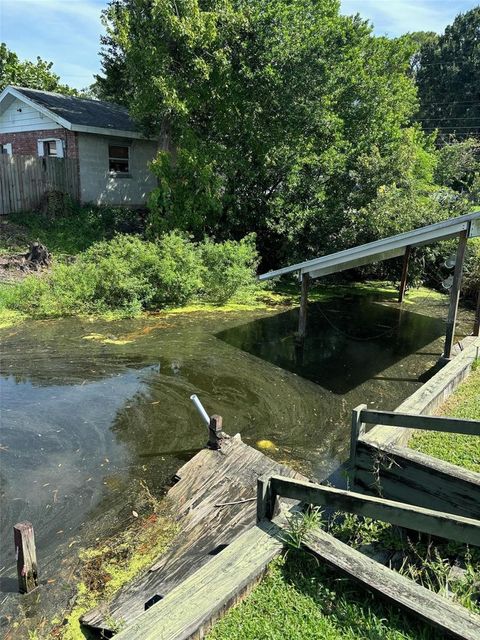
{"type": "Point", "coordinates": [284, 118]}
{"type": "Point", "coordinates": [24, 73]}
{"type": "Point", "coordinates": [448, 79]}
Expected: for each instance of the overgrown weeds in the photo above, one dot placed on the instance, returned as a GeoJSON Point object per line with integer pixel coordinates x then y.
{"type": "Point", "coordinates": [128, 275]}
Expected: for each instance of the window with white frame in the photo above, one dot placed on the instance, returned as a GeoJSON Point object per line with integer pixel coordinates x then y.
{"type": "Point", "coordinates": [50, 147]}
{"type": "Point", "coordinates": [118, 158]}
{"type": "Point", "coordinates": [6, 149]}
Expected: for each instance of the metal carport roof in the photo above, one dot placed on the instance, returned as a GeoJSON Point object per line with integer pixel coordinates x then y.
{"type": "Point", "coordinates": [384, 249]}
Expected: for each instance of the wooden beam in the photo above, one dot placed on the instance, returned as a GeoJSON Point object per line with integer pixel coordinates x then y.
{"type": "Point", "coordinates": [403, 282]}
{"type": "Point", "coordinates": [200, 599]}
{"type": "Point", "coordinates": [26, 556]}
{"type": "Point", "coordinates": [445, 525]}
{"type": "Point", "coordinates": [455, 294]}
{"type": "Point", "coordinates": [428, 423]}
{"type": "Point", "coordinates": [357, 430]}
{"type": "Point", "coordinates": [454, 620]}
{"type": "Point", "coordinates": [302, 318]}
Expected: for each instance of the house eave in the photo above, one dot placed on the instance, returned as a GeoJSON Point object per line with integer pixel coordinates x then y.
{"type": "Point", "coordinates": [103, 131]}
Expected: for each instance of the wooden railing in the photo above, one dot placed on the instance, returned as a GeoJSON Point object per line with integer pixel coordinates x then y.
{"type": "Point", "coordinates": [447, 525]}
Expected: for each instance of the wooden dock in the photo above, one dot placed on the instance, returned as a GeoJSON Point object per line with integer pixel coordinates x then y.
{"type": "Point", "coordinates": [215, 502]}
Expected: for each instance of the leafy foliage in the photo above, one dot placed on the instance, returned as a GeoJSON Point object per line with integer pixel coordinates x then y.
{"type": "Point", "coordinates": [448, 78]}
{"type": "Point", "coordinates": [24, 73]}
{"type": "Point", "coordinates": [270, 111]}
{"type": "Point", "coordinates": [128, 275]}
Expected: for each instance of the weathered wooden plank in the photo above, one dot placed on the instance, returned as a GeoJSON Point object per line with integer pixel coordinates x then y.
{"type": "Point", "coordinates": [424, 422]}
{"type": "Point", "coordinates": [207, 480]}
{"type": "Point", "coordinates": [437, 523]}
{"type": "Point", "coordinates": [198, 601]}
{"type": "Point", "coordinates": [450, 618]}
{"type": "Point", "coordinates": [426, 399]}
{"type": "Point", "coordinates": [402, 474]}
{"type": "Point", "coordinates": [26, 555]}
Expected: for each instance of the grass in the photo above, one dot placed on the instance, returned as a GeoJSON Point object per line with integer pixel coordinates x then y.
{"type": "Point", "coordinates": [302, 600]}
{"type": "Point", "coordinates": [457, 449]}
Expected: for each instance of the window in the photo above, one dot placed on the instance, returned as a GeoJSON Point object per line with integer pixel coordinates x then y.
{"type": "Point", "coordinates": [6, 149]}
{"type": "Point", "coordinates": [50, 148]}
{"type": "Point", "coordinates": [118, 158]}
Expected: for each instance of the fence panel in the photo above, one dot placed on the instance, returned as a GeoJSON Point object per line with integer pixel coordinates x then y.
{"type": "Point", "coordinates": [25, 179]}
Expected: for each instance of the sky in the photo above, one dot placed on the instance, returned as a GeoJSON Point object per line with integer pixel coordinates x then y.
{"type": "Point", "coordinates": [67, 32]}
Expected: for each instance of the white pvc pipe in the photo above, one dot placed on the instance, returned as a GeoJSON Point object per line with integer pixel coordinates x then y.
{"type": "Point", "coordinates": [200, 408]}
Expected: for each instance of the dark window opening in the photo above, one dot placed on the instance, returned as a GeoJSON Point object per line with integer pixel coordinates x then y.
{"type": "Point", "coordinates": [50, 148]}
{"type": "Point", "coordinates": [118, 158]}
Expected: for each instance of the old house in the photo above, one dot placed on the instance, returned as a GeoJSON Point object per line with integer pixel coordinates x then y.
{"type": "Point", "coordinates": [106, 154]}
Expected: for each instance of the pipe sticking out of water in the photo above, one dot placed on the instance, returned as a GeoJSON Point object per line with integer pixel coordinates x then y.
{"type": "Point", "coordinates": [200, 408]}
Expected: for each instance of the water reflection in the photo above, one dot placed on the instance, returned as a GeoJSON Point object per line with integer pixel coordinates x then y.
{"type": "Point", "coordinates": [85, 419]}
{"type": "Point", "coordinates": [347, 344]}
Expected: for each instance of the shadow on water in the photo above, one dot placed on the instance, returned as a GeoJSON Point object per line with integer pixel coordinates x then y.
{"type": "Point", "coordinates": [347, 343]}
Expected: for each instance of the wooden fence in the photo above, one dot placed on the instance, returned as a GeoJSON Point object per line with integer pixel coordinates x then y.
{"type": "Point", "coordinates": [401, 473]}
{"type": "Point", "coordinates": [452, 619]}
{"type": "Point", "coordinates": [25, 179]}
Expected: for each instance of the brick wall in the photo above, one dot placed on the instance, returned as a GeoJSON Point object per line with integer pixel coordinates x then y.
{"type": "Point", "coordinates": [25, 142]}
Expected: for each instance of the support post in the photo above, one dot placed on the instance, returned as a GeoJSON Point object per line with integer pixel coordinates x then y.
{"type": "Point", "coordinates": [476, 324]}
{"type": "Point", "coordinates": [302, 319]}
{"type": "Point", "coordinates": [265, 498]}
{"type": "Point", "coordinates": [26, 556]}
{"type": "Point", "coordinates": [358, 429]}
{"type": "Point", "coordinates": [215, 432]}
{"type": "Point", "coordinates": [403, 282]}
{"type": "Point", "coordinates": [455, 295]}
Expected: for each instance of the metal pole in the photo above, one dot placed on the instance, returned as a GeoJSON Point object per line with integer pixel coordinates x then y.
{"type": "Point", "coordinates": [302, 319]}
{"type": "Point", "coordinates": [201, 410]}
{"type": "Point", "coordinates": [455, 294]}
{"type": "Point", "coordinates": [403, 282]}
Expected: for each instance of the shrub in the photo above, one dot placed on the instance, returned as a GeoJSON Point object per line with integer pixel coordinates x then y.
{"type": "Point", "coordinates": [128, 274]}
{"type": "Point", "coordinates": [228, 268]}
{"type": "Point", "coordinates": [471, 278]}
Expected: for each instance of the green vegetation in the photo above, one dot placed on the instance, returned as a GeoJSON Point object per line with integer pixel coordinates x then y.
{"type": "Point", "coordinates": [456, 449]}
{"type": "Point", "coordinates": [302, 600]}
{"type": "Point", "coordinates": [326, 153]}
{"type": "Point", "coordinates": [128, 275]}
{"type": "Point", "coordinates": [24, 73]}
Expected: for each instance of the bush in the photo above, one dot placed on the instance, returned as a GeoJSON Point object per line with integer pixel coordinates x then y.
{"type": "Point", "coordinates": [471, 278]}
{"type": "Point", "coordinates": [128, 274]}
{"type": "Point", "coordinates": [228, 268]}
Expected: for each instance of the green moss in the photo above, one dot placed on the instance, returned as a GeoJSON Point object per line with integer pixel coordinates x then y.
{"type": "Point", "coordinates": [457, 449]}
{"type": "Point", "coordinates": [111, 565]}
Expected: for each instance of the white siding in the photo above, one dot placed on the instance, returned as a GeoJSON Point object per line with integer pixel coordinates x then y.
{"type": "Point", "coordinates": [27, 119]}
{"type": "Point", "coordinates": [97, 185]}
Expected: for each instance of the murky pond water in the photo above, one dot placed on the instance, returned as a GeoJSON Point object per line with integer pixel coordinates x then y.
{"type": "Point", "coordinates": [91, 409]}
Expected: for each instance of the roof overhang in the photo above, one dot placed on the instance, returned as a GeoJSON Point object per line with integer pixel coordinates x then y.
{"type": "Point", "coordinates": [66, 124]}
{"type": "Point", "coordinates": [384, 249]}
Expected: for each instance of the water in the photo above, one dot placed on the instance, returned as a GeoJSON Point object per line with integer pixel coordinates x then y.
{"type": "Point", "coordinates": [90, 409]}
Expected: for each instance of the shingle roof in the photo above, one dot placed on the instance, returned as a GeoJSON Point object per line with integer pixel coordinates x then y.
{"type": "Point", "coordinates": [80, 111]}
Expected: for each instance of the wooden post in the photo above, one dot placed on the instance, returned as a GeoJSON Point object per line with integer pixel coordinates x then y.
{"type": "Point", "coordinates": [215, 432]}
{"type": "Point", "coordinates": [26, 556]}
{"type": "Point", "coordinates": [455, 295]}
{"type": "Point", "coordinates": [403, 282]}
{"type": "Point", "coordinates": [302, 319]}
{"type": "Point", "coordinates": [476, 324]}
{"type": "Point", "coordinates": [358, 429]}
{"type": "Point", "coordinates": [265, 499]}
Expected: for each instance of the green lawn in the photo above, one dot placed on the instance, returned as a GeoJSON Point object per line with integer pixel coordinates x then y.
{"type": "Point", "coordinates": [457, 449]}
{"type": "Point", "coordinates": [301, 600]}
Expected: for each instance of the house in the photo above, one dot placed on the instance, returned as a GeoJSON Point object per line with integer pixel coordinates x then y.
{"type": "Point", "coordinates": [105, 147]}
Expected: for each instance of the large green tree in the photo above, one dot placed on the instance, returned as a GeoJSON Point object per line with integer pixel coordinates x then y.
{"type": "Point", "coordinates": [24, 73]}
{"type": "Point", "coordinates": [448, 78]}
{"type": "Point", "coordinates": [282, 117]}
